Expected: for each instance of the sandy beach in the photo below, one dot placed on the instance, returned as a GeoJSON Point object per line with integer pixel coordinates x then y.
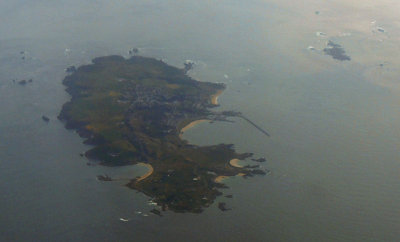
{"type": "Point", "coordinates": [147, 174]}
{"type": "Point", "coordinates": [191, 125]}
{"type": "Point", "coordinates": [214, 101]}
{"type": "Point", "coordinates": [235, 163]}
{"type": "Point", "coordinates": [220, 179]}
{"type": "Point", "coordinates": [214, 98]}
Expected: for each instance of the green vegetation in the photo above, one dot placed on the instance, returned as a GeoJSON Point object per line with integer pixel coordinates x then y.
{"type": "Point", "coordinates": [132, 110]}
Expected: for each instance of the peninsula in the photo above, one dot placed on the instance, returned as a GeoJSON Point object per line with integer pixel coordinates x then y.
{"type": "Point", "coordinates": [133, 110]}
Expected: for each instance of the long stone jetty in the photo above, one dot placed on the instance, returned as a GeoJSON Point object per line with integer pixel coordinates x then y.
{"type": "Point", "coordinates": [255, 125]}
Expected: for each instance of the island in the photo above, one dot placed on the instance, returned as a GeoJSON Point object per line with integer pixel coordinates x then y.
{"type": "Point", "coordinates": [133, 111]}
{"type": "Point", "coordinates": [336, 51]}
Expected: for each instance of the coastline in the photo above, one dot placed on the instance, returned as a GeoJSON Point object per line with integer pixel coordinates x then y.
{"type": "Point", "coordinates": [220, 179]}
{"type": "Point", "coordinates": [235, 163]}
{"type": "Point", "coordinates": [214, 97]}
{"type": "Point", "coordinates": [214, 101]}
{"type": "Point", "coordinates": [93, 112]}
{"type": "Point", "coordinates": [191, 125]}
{"type": "Point", "coordinates": [148, 173]}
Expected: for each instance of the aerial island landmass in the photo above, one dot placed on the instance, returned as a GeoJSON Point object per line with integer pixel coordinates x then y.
{"type": "Point", "coordinates": [336, 51]}
{"type": "Point", "coordinates": [133, 111]}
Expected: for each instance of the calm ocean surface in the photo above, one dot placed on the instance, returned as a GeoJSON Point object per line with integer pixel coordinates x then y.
{"type": "Point", "coordinates": [333, 153]}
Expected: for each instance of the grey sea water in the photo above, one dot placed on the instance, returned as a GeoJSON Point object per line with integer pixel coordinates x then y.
{"type": "Point", "coordinates": [333, 152]}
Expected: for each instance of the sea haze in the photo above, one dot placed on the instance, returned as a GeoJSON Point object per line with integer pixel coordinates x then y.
{"type": "Point", "coordinates": [332, 154]}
